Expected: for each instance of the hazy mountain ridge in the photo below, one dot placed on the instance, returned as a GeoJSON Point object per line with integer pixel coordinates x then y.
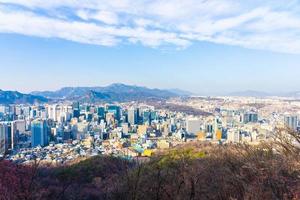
{"type": "Point", "coordinates": [12, 97]}
{"type": "Point", "coordinates": [295, 94]}
{"type": "Point", "coordinates": [254, 93]}
{"type": "Point", "coordinates": [113, 92]}
{"type": "Point", "coordinates": [181, 92]}
{"type": "Point", "coordinates": [250, 93]}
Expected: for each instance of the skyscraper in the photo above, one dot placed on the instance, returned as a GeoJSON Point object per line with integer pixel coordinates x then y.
{"type": "Point", "coordinates": [39, 133]}
{"type": "Point", "coordinates": [17, 127]}
{"type": "Point", "coordinates": [193, 125]}
{"type": "Point", "coordinates": [9, 135]}
{"type": "Point", "coordinates": [101, 112]}
{"type": "Point", "coordinates": [75, 105]}
{"type": "Point", "coordinates": [250, 117]}
{"type": "Point", "coordinates": [132, 116]}
{"type": "Point", "coordinates": [114, 110]}
{"type": "Point", "coordinates": [75, 110]}
{"type": "Point", "coordinates": [3, 138]}
{"type": "Point", "coordinates": [291, 122]}
{"type": "Point", "coordinates": [147, 117]}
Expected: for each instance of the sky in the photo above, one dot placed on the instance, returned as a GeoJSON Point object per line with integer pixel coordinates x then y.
{"type": "Point", "coordinates": [204, 46]}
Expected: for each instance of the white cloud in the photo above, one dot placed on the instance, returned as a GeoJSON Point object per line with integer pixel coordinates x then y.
{"type": "Point", "coordinates": [103, 16]}
{"type": "Point", "coordinates": [28, 23]}
{"type": "Point", "coordinates": [250, 24]}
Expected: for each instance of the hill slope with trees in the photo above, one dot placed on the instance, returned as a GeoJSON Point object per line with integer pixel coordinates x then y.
{"type": "Point", "coordinates": [192, 171]}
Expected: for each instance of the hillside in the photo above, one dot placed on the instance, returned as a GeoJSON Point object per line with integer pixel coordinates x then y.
{"type": "Point", "coordinates": [192, 171]}
{"type": "Point", "coordinates": [113, 92]}
{"type": "Point", "coordinates": [14, 97]}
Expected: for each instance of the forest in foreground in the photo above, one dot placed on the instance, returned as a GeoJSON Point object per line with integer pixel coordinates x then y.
{"type": "Point", "coordinates": [192, 171]}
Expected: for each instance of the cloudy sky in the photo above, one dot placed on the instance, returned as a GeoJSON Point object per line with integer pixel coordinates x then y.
{"type": "Point", "coordinates": [206, 46]}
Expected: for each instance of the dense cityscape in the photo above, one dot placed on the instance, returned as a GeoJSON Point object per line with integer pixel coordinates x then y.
{"type": "Point", "coordinates": [65, 131]}
{"type": "Point", "coordinates": [149, 100]}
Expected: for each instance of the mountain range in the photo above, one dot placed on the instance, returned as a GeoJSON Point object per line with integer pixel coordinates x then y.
{"type": "Point", "coordinates": [14, 97]}
{"type": "Point", "coordinates": [250, 93]}
{"type": "Point", "coordinates": [113, 92]}
{"type": "Point", "coordinates": [254, 93]}
{"type": "Point", "coordinates": [116, 92]}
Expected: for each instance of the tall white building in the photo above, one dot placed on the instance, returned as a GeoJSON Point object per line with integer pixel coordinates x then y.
{"type": "Point", "coordinates": [193, 125]}
{"type": "Point", "coordinates": [132, 116]}
{"type": "Point", "coordinates": [9, 135]}
{"type": "Point", "coordinates": [233, 136]}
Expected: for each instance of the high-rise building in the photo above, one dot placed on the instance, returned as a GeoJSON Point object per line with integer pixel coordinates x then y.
{"type": "Point", "coordinates": [54, 112]}
{"type": "Point", "coordinates": [20, 125]}
{"type": "Point", "coordinates": [4, 109]}
{"type": "Point", "coordinates": [101, 112]}
{"type": "Point", "coordinates": [125, 128]}
{"type": "Point", "coordinates": [209, 128]}
{"type": "Point", "coordinates": [13, 135]}
{"type": "Point", "coordinates": [147, 117]}
{"type": "Point", "coordinates": [39, 133]}
{"type": "Point", "coordinates": [193, 125]}
{"type": "Point", "coordinates": [218, 135]}
{"type": "Point", "coordinates": [3, 138]}
{"type": "Point", "coordinates": [291, 122]}
{"type": "Point", "coordinates": [116, 110]}
{"type": "Point", "coordinates": [89, 117]}
{"type": "Point", "coordinates": [75, 105]}
{"type": "Point", "coordinates": [8, 135]}
{"type": "Point", "coordinates": [233, 136]}
{"type": "Point", "coordinates": [217, 128]}
{"type": "Point", "coordinates": [76, 113]}
{"type": "Point", "coordinates": [250, 117]}
{"type": "Point", "coordinates": [132, 116]}
{"type": "Point", "coordinates": [153, 115]}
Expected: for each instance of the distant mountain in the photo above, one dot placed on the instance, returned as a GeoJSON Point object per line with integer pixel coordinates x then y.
{"type": "Point", "coordinates": [113, 92]}
{"type": "Point", "coordinates": [14, 97]}
{"type": "Point", "coordinates": [250, 93]}
{"type": "Point", "coordinates": [181, 92]}
{"type": "Point", "coordinates": [253, 93]}
{"type": "Point", "coordinates": [295, 94]}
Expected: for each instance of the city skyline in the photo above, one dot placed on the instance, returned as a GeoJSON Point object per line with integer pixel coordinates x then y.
{"type": "Point", "coordinates": [236, 47]}
{"type": "Point", "coordinates": [149, 99]}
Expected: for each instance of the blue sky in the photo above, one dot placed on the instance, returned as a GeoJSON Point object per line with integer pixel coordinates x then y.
{"type": "Point", "coordinates": [207, 47]}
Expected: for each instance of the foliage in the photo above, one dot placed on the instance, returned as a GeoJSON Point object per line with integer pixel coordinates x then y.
{"type": "Point", "coordinates": [193, 171]}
